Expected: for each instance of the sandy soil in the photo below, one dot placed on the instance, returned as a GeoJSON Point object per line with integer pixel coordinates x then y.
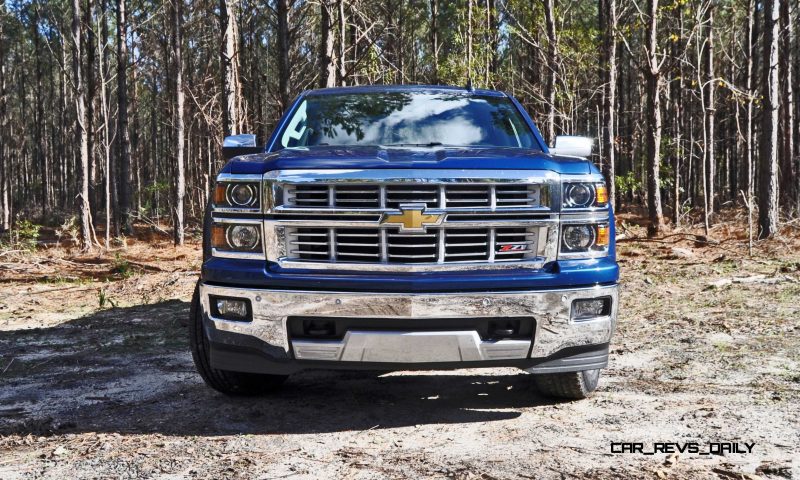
{"type": "Point", "coordinates": [96, 381]}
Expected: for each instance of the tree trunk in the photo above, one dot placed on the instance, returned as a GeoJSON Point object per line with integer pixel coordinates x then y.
{"type": "Point", "coordinates": [653, 76]}
{"type": "Point", "coordinates": [342, 45]}
{"type": "Point", "coordinates": [105, 106]}
{"type": "Point", "coordinates": [123, 136]}
{"type": "Point", "coordinates": [469, 41]}
{"type": "Point", "coordinates": [38, 119]}
{"type": "Point", "coordinates": [787, 161]}
{"type": "Point", "coordinates": [283, 8]}
{"type": "Point", "coordinates": [435, 40]}
{"type": "Point", "coordinates": [678, 122]}
{"type": "Point", "coordinates": [80, 129]}
{"type": "Point", "coordinates": [327, 62]}
{"type": "Point", "coordinates": [609, 69]}
{"type": "Point", "coordinates": [494, 37]}
{"type": "Point", "coordinates": [177, 58]}
{"type": "Point", "coordinates": [710, 159]}
{"type": "Point", "coordinates": [748, 130]}
{"type": "Point", "coordinates": [551, 64]}
{"type": "Point", "coordinates": [229, 59]}
{"type": "Point", "coordinates": [5, 166]}
{"type": "Point", "coordinates": [90, 94]}
{"type": "Point", "coordinates": [768, 188]}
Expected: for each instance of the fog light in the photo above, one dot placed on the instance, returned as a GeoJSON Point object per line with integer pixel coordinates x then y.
{"type": "Point", "coordinates": [591, 308]}
{"type": "Point", "coordinates": [231, 308]}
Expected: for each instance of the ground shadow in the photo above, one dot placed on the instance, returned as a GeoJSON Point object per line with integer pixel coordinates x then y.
{"type": "Point", "coordinates": [128, 370]}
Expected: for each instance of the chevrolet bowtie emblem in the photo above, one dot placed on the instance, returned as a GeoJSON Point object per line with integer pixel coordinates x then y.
{"type": "Point", "coordinates": [412, 218]}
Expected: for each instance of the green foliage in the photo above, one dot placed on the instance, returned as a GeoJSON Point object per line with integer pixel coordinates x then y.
{"type": "Point", "coordinates": [121, 267]}
{"type": "Point", "coordinates": [627, 184]}
{"type": "Point", "coordinates": [104, 299]}
{"type": "Point", "coordinates": [24, 235]}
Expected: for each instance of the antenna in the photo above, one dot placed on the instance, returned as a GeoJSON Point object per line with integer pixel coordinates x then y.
{"type": "Point", "coordinates": [469, 84]}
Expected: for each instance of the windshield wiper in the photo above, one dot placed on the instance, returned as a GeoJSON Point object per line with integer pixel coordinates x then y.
{"type": "Point", "coordinates": [430, 144]}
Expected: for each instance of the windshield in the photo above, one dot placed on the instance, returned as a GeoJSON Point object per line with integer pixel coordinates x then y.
{"type": "Point", "coordinates": [406, 119]}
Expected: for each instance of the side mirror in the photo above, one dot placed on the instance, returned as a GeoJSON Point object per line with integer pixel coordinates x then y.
{"type": "Point", "coordinates": [572, 146]}
{"type": "Point", "coordinates": [243, 144]}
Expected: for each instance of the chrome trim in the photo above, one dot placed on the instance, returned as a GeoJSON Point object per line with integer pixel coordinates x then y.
{"type": "Point", "coordinates": [551, 309]}
{"type": "Point", "coordinates": [242, 221]}
{"type": "Point", "coordinates": [241, 140]}
{"type": "Point", "coordinates": [551, 216]}
{"type": "Point", "coordinates": [416, 175]}
{"type": "Point", "coordinates": [422, 177]}
{"type": "Point", "coordinates": [353, 223]}
{"type": "Point", "coordinates": [534, 263]}
{"type": "Point", "coordinates": [572, 146]}
{"type": "Point", "coordinates": [376, 211]}
{"type": "Point", "coordinates": [410, 347]}
{"type": "Point", "coordinates": [276, 183]}
{"type": "Point", "coordinates": [598, 216]}
{"type": "Point", "coordinates": [237, 255]}
{"type": "Point", "coordinates": [239, 177]}
{"type": "Point", "coordinates": [545, 250]}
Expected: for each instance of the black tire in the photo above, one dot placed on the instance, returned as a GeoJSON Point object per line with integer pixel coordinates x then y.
{"type": "Point", "coordinates": [569, 385]}
{"type": "Point", "coordinates": [225, 381]}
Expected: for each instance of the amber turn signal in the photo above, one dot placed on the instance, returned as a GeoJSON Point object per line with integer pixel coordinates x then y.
{"type": "Point", "coordinates": [218, 239]}
{"type": "Point", "coordinates": [220, 197]}
{"type": "Point", "coordinates": [601, 194]}
{"type": "Point", "coordinates": [603, 233]}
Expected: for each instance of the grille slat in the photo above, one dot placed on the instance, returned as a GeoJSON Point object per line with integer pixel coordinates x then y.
{"type": "Point", "coordinates": [388, 245]}
{"type": "Point", "coordinates": [361, 195]}
{"type": "Point", "coordinates": [517, 195]}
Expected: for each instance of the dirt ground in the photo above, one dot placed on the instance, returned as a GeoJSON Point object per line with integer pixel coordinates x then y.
{"type": "Point", "coordinates": [96, 381]}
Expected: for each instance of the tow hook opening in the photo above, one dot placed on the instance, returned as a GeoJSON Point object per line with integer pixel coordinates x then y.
{"type": "Point", "coordinates": [318, 327]}
{"type": "Point", "coordinates": [501, 329]}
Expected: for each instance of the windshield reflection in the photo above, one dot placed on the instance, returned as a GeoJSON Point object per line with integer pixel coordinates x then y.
{"type": "Point", "coordinates": [406, 119]}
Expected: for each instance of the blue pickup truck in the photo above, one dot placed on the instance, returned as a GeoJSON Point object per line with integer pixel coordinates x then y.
{"type": "Point", "coordinates": [406, 227]}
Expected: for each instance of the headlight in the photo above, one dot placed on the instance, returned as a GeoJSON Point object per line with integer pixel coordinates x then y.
{"type": "Point", "coordinates": [588, 238]}
{"type": "Point", "coordinates": [585, 195]}
{"type": "Point", "coordinates": [236, 238]}
{"type": "Point", "coordinates": [578, 238]}
{"type": "Point", "coordinates": [236, 195]}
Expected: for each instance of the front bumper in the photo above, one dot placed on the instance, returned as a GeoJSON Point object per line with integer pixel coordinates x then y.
{"type": "Point", "coordinates": [265, 344]}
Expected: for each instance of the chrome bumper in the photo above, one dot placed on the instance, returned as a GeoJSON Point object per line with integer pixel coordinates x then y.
{"type": "Point", "coordinates": [554, 330]}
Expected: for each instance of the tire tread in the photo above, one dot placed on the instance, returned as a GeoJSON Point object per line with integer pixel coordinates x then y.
{"type": "Point", "coordinates": [569, 385]}
{"type": "Point", "coordinates": [225, 381]}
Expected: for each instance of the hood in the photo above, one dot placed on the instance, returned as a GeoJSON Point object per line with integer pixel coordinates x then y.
{"type": "Point", "coordinates": [369, 157]}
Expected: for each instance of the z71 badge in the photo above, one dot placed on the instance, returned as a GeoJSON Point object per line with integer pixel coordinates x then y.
{"type": "Point", "coordinates": [513, 247]}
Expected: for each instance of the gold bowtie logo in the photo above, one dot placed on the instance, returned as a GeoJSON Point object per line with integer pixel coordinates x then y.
{"type": "Point", "coordinates": [412, 218]}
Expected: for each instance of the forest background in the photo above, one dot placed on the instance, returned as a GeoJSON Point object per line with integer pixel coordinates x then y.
{"type": "Point", "coordinates": [113, 113]}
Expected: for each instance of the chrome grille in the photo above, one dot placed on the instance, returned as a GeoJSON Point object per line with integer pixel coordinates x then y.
{"type": "Point", "coordinates": [412, 220]}
{"type": "Point", "coordinates": [437, 245]}
{"type": "Point", "coordinates": [356, 196]}
{"type": "Point", "coordinates": [314, 196]}
{"type": "Point", "coordinates": [517, 195]}
{"type": "Point", "coordinates": [391, 196]}
{"type": "Point", "coordinates": [417, 193]}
